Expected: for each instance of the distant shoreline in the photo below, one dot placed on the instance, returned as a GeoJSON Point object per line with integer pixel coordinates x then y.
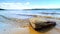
{"type": "Point", "coordinates": [36, 9]}
{"type": "Point", "coordinates": [43, 9]}
{"type": "Point", "coordinates": [2, 9]}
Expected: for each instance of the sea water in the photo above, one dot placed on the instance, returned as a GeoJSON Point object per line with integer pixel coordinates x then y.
{"type": "Point", "coordinates": [15, 13]}
{"type": "Point", "coordinates": [8, 24]}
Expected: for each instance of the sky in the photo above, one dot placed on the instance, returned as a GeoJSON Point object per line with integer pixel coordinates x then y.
{"type": "Point", "coordinates": [29, 4]}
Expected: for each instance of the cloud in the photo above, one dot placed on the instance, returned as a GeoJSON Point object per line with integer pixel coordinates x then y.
{"type": "Point", "coordinates": [46, 6]}
{"type": "Point", "coordinates": [27, 3]}
{"type": "Point", "coordinates": [15, 5]}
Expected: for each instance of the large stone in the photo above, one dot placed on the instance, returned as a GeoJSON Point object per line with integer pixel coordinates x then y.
{"type": "Point", "coordinates": [42, 25]}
